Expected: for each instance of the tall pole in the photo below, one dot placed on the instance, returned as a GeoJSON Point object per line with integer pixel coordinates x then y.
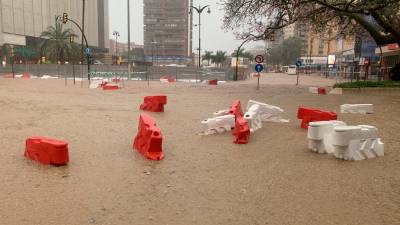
{"type": "Point", "coordinates": [116, 49]}
{"type": "Point", "coordinates": [83, 29]}
{"type": "Point", "coordinates": [199, 39]}
{"type": "Point", "coordinates": [129, 40]}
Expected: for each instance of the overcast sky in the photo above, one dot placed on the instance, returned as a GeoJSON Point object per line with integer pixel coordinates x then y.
{"type": "Point", "coordinates": [213, 36]}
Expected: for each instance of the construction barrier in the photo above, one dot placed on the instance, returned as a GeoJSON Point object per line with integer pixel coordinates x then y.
{"type": "Point", "coordinates": [213, 82]}
{"type": "Point", "coordinates": [321, 91]}
{"type": "Point", "coordinates": [148, 140]}
{"type": "Point", "coordinates": [236, 109]}
{"type": "Point", "coordinates": [308, 115]}
{"type": "Point", "coordinates": [317, 90]}
{"type": "Point", "coordinates": [109, 87]}
{"type": "Point", "coordinates": [268, 113]}
{"type": "Point", "coordinates": [167, 79]}
{"type": "Point", "coordinates": [47, 151]}
{"type": "Point", "coordinates": [241, 131]}
{"type": "Point", "coordinates": [154, 103]}
{"type": "Point", "coordinates": [357, 108]}
{"type": "Point", "coordinates": [345, 142]}
{"type": "Point", "coordinates": [218, 124]}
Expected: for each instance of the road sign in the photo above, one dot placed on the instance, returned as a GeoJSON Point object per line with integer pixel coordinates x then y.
{"type": "Point", "coordinates": [298, 63]}
{"type": "Point", "coordinates": [259, 68]}
{"type": "Point", "coordinates": [88, 51]}
{"type": "Point", "coordinates": [259, 59]}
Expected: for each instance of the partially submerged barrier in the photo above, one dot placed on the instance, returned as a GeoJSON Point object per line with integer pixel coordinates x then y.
{"type": "Point", "coordinates": [148, 140]}
{"type": "Point", "coordinates": [47, 151]}
{"type": "Point", "coordinates": [308, 115]}
{"type": "Point", "coordinates": [154, 103]}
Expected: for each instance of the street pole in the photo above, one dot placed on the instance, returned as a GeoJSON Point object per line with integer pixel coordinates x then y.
{"type": "Point", "coordinates": [116, 34]}
{"type": "Point", "coordinates": [129, 40]}
{"type": "Point", "coordinates": [200, 10]}
{"type": "Point", "coordinates": [83, 29]}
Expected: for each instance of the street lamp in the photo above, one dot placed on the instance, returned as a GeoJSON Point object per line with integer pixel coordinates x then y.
{"type": "Point", "coordinates": [200, 10]}
{"type": "Point", "coordinates": [116, 34]}
{"type": "Point", "coordinates": [153, 43]}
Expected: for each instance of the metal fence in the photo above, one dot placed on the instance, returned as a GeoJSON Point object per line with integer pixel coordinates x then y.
{"type": "Point", "coordinates": [137, 72]}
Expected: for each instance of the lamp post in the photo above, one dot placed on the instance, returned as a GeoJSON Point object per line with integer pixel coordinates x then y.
{"type": "Point", "coordinates": [116, 34]}
{"type": "Point", "coordinates": [200, 10]}
{"type": "Point", "coordinates": [129, 39]}
{"type": "Point", "coordinates": [237, 58]}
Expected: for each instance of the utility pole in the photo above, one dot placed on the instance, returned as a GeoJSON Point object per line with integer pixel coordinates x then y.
{"type": "Point", "coordinates": [83, 30]}
{"type": "Point", "coordinates": [129, 40]}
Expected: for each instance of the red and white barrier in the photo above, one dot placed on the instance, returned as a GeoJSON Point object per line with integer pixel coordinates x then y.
{"type": "Point", "coordinates": [308, 115]}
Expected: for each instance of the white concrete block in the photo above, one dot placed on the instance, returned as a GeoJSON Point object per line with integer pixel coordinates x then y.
{"type": "Point", "coordinates": [319, 135]}
{"type": "Point", "coordinates": [357, 108]}
{"type": "Point", "coordinates": [218, 124]}
{"type": "Point", "coordinates": [268, 113]}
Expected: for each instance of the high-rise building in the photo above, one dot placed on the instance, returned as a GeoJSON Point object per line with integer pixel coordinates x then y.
{"type": "Point", "coordinates": [167, 31]}
{"type": "Point", "coordinates": [299, 30]}
{"type": "Point", "coordinates": [23, 21]}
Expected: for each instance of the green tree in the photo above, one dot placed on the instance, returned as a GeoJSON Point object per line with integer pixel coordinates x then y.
{"type": "Point", "coordinates": [208, 55]}
{"type": "Point", "coordinates": [260, 19]}
{"type": "Point", "coordinates": [285, 53]}
{"type": "Point", "coordinates": [244, 54]}
{"type": "Point", "coordinates": [57, 45]}
{"type": "Point", "coordinates": [219, 58]}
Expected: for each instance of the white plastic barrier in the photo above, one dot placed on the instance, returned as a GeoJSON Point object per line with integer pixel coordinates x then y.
{"type": "Point", "coordinates": [253, 117]}
{"type": "Point", "coordinates": [95, 84]}
{"type": "Point", "coordinates": [345, 142]}
{"type": "Point", "coordinates": [319, 135]}
{"type": "Point", "coordinates": [357, 142]}
{"type": "Point", "coordinates": [223, 112]}
{"type": "Point", "coordinates": [313, 90]}
{"type": "Point", "coordinates": [218, 124]}
{"type": "Point", "coordinates": [268, 113]}
{"type": "Point", "coordinates": [357, 108]}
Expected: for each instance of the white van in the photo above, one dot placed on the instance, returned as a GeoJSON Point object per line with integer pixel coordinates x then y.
{"type": "Point", "coordinates": [292, 70]}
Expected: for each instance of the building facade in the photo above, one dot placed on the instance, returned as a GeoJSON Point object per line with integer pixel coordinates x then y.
{"type": "Point", "coordinates": [167, 31]}
{"type": "Point", "coordinates": [25, 20]}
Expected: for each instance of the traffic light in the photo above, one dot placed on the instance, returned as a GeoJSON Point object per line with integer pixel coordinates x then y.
{"type": "Point", "coordinates": [65, 18]}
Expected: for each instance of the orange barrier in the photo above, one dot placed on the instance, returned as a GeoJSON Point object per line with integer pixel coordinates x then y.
{"type": "Point", "coordinates": [241, 131]}
{"type": "Point", "coordinates": [148, 140]}
{"type": "Point", "coordinates": [236, 109]}
{"type": "Point", "coordinates": [108, 87]}
{"type": "Point", "coordinates": [26, 76]}
{"type": "Point", "coordinates": [321, 91]}
{"type": "Point", "coordinates": [47, 151]}
{"type": "Point", "coordinates": [168, 79]}
{"type": "Point", "coordinates": [213, 82]}
{"type": "Point", "coordinates": [308, 115]}
{"type": "Point", "coordinates": [154, 103]}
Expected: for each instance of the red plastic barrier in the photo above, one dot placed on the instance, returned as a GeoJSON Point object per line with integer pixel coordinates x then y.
{"type": "Point", "coordinates": [236, 109]}
{"type": "Point", "coordinates": [108, 87]}
{"type": "Point", "coordinates": [26, 76]}
{"type": "Point", "coordinates": [148, 140]}
{"type": "Point", "coordinates": [47, 151]}
{"type": "Point", "coordinates": [213, 82]}
{"type": "Point", "coordinates": [168, 79]}
{"type": "Point", "coordinates": [321, 91]}
{"type": "Point", "coordinates": [154, 103]}
{"type": "Point", "coordinates": [241, 131]}
{"type": "Point", "coordinates": [308, 115]}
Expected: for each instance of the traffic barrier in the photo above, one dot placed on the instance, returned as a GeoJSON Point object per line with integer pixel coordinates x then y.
{"type": "Point", "coordinates": [148, 140]}
{"type": "Point", "coordinates": [167, 79]}
{"type": "Point", "coordinates": [241, 131]}
{"type": "Point", "coordinates": [154, 103]}
{"type": "Point", "coordinates": [95, 84]}
{"type": "Point", "coordinates": [319, 135]}
{"type": "Point", "coordinates": [213, 82]}
{"type": "Point", "coordinates": [109, 87]}
{"type": "Point", "coordinates": [235, 110]}
{"type": "Point", "coordinates": [268, 113]}
{"type": "Point", "coordinates": [218, 124]}
{"type": "Point", "coordinates": [357, 108]}
{"type": "Point", "coordinates": [26, 76]}
{"type": "Point", "coordinates": [321, 91]}
{"type": "Point", "coordinates": [9, 75]}
{"type": "Point", "coordinates": [253, 117]}
{"type": "Point", "coordinates": [47, 151]}
{"type": "Point", "coordinates": [357, 142]}
{"type": "Point", "coordinates": [308, 115]}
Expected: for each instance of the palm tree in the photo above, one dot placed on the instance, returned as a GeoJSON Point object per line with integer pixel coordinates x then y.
{"type": "Point", "coordinates": [208, 56]}
{"type": "Point", "coordinates": [219, 58]}
{"type": "Point", "coordinates": [57, 44]}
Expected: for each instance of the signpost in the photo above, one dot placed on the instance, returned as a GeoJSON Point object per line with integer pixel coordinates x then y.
{"type": "Point", "coordinates": [259, 59]}
{"type": "Point", "coordinates": [259, 68]}
{"type": "Point", "coordinates": [298, 64]}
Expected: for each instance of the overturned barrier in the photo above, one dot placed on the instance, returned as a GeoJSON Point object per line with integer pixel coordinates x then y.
{"type": "Point", "coordinates": [110, 87]}
{"type": "Point", "coordinates": [345, 142]}
{"type": "Point", "coordinates": [148, 140]}
{"type": "Point", "coordinates": [268, 113]}
{"type": "Point", "coordinates": [308, 115]}
{"type": "Point", "coordinates": [47, 151]}
{"type": "Point", "coordinates": [357, 108]}
{"type": "Point", "coordinates": [241, 131]}
{"type": "Point", "coordinates": [154, 103]}
{"type": "Point", "coordinates": [218, 124]}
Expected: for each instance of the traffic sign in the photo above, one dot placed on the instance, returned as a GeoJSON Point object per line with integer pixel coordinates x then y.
{"type": "Point", "coordinates": [259, 59]}
{"type": "Point", "coordinates": [88, 51]}
{"type": "Point", "coordinates": [259, 68]}
{"type": "Point", "coordinates": [298, 63]}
